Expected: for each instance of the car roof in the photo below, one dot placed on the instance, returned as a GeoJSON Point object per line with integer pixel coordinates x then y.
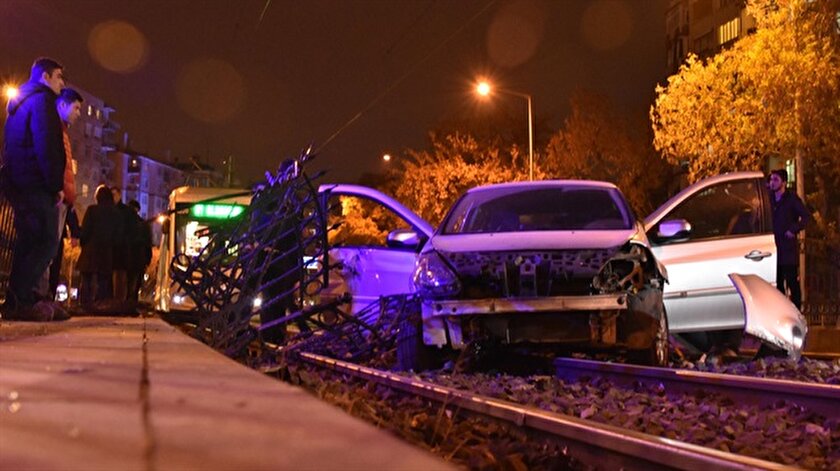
{"type": "Point", "coordinates": [542, 184]}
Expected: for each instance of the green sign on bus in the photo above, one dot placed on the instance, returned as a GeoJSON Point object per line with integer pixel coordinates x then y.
{"type": "Point", "coordinates": [216, 211]}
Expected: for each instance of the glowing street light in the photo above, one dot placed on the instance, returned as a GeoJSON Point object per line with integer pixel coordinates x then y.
{"type": "Point", "coordinates": [10, 92]}
{"type": "Point", "coordinates": [386, 157]}
{"type": "Point", "coordinates": [484, 89]}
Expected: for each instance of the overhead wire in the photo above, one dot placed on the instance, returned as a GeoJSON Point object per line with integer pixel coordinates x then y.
{"type": "Point", "coordinates": [400, 79]}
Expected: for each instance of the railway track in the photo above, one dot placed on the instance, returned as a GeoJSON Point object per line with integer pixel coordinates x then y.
{"type": "Point", "coordinates": [820, 398]}
{"type": "Point", "coordinates": [601, 445]}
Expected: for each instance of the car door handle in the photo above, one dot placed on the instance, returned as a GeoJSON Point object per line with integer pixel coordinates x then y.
{"type": "Point", "coordinates": [757, 255]}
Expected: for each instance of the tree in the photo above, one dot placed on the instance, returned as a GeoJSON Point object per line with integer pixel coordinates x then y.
{"type": "Point", "coordinates": [429, 181]}
{"type": "Point", "coordinates": [597, 142]}
{"type": "Point", "coordinates": [361, 222]}
{"type": "Point", "coordinates": [775, 92]}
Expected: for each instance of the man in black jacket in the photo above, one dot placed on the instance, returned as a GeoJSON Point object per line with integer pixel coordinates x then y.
{"type": "Point", "coordinates": [789, 217]}
{"type": "Point", "coordinates": [32, 179]}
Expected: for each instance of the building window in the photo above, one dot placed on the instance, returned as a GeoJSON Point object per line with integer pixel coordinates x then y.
{"type": "Point", "coordinates": [90, 110]}
{"type": "Point", "coordinates": [729, 31]}
{"type": "Point", "coordinates": [705, 43]}
{"type": "Point", "coordinates": [85, 190]}
{"type": "Point", "coordinates": [98, 113]}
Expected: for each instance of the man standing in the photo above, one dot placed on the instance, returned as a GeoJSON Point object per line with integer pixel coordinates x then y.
{"type": "Point", "coordinates": [32, 180]}
{"type": "Point", "coordinates": [139, 251]}
{"type": "Point", "coordinates": [789, 217]}
{"type": "Point", "coordinates": [119, 280]}
{"type": "Point", "coordinates": [69, 106]}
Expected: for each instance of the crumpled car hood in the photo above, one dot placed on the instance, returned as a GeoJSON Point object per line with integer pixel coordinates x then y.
{"type": "Point", "coordinates": [770, 316]}
{"type": "Point", "coordinates": [531, 240]}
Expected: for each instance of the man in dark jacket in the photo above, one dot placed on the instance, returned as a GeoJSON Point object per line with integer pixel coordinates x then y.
{"type": "Point", "coordinates": [124, 222]}
{"type": "Point", "coordinates": [789, 217]}
{"type": "Point", "coordinates": [32, 179]}
{"type": "Point", "coordinates": [139, 251]}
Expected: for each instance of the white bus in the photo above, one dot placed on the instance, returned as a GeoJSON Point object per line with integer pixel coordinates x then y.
{"type": "Point", "coordinates": [192, 210]}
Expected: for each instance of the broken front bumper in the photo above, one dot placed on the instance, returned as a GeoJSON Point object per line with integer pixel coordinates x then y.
{"type": "Point", "coordinates": [770, 316]}
{"type": "Point", "coordinates": [442, 315]}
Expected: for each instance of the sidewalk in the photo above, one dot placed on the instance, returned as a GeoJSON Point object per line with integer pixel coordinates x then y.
{"type": "Point", "coordinates": [135, 393]}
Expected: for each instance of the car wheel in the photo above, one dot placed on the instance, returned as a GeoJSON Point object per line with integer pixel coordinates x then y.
{"type": "Point", "coordinates": [412, 353]}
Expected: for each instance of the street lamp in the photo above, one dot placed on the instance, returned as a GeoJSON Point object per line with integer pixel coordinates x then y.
{"type": "Point", "coordinates": [10, 92]}
{"type": "Point", "coordinates": [485, 89]}
{"type": "Point", "coordinates": [386, 158]}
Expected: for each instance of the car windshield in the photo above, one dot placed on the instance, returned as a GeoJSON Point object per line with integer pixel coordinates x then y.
{"type": "Point", "coordinates": [558, 208]}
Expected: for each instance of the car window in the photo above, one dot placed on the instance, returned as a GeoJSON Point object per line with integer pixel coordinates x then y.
{"type": "Point", "coordinates": [361, 222]}
{"type": "Point", "coordinates": [561, 208]}
{"type": "Point", "coordinates": [722, 210]}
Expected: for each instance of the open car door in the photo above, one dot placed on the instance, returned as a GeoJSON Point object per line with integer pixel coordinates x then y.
{"type": "Point", "coordinates": [717, 226]}
{"type": "Point", "coordinates": [375, 247]}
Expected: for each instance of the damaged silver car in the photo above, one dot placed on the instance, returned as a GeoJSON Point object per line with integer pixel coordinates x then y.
{"type": "Point", "coordinates": [566, 263]}
{"type": "Point", "coordinates": [551, 262]}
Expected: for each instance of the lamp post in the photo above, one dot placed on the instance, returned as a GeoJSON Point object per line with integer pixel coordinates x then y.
{"type": "Point", "coordinates": [10, 92]}
{"type": "Point", "coordinates": [485, 89]}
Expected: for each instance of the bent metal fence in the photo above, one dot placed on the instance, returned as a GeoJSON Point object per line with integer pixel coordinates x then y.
{"type": "Point", "coordinates": [269, 265]}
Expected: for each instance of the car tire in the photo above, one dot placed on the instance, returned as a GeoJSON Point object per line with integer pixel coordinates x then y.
{"type": "Point", "coordinates": [412, 353]}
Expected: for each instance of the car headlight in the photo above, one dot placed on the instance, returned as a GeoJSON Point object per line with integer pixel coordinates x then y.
{"type": "Point", "coordinates": [433, 278]}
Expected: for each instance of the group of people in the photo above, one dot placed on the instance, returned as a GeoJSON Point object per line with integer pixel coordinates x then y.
{"type": "Point", "coordinates": [37, 179]}
{"type": "Point", "coordinates": [116, 249]}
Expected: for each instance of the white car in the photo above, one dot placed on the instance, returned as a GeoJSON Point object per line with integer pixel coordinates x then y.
{"type": "Point", "coordinates": [513, 263]}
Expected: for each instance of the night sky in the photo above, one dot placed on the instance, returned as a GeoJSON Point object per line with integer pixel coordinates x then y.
{"type": "Point", "coordinates": [262, 80]}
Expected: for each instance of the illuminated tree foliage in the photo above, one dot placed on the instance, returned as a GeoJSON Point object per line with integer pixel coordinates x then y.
{"type": "Point", "coordinates": [429, 181]}
{"type": "Point", "coordinates": [362, 222]}
{"type": "Point", "coordinates": [771, 93]}
{"type": "Point", "coordinates": [596, 142]}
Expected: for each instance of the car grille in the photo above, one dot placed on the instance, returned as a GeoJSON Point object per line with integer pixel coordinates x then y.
{"type": "Point", "coordinates": [527, 274]}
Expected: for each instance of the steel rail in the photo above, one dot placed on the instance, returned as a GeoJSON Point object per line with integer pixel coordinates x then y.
{"type": "Point", "coordinates": [605, 446]}
{"type": "Point", "coordinates": [817, 397]}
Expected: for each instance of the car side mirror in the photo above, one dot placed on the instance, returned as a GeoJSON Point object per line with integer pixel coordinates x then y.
{"type": "Point", "coordinates": [404, 239]}
{"type": "Point", "coordinates": [673, 229]}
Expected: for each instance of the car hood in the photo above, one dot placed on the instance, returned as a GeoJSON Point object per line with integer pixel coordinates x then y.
{"type": "Point", "coordinates": [531, 240]}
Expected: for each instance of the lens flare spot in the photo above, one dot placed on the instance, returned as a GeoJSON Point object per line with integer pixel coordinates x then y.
{"type": "Point", "coordinates": [515, 33]}
{"type": "Point", "coordinates": [210, 90]}
{"type": "Point", "coordinates": [606, 24]}
{"type": "Point", "coordinates": [118, 46]}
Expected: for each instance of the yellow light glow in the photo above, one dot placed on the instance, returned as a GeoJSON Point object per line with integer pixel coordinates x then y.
{"type": "Point", "coordinates": [483, 88]}
{"type": "Point", "coordinates": [161, 219]}
{"type": "Point", "coordinates": [386, 157]}
{"type": "Point", "coordinates": [10, 92]}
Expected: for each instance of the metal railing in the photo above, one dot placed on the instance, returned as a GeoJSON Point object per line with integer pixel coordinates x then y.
{"type": "Point", "coordinates": [822, 283]}
{"type": "Point", "coordinates": [7, 241]}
